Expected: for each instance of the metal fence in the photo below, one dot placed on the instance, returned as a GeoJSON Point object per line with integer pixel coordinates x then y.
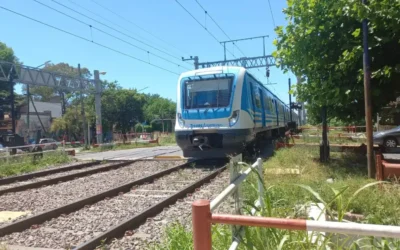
{"type": "Point", "coordinates": [203, 217]}
{"type": "Point", "coordinates": [236, 178]}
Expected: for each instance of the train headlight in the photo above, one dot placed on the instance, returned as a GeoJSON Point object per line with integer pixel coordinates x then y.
{"type": "Point", "coordinates": [234, 118]}
{"type": "Point", "coordinates": [180, 120]}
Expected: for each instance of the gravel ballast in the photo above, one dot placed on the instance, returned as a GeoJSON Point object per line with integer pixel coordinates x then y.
{"type": "Point", "coordinates": [52, 196]}
{"type": "Point", "coordinates": [153, 230]}
{"type": "Point", "coordinates": [63, 165]}
{"type": "Point", "coordinates": [51, 176]}
{"type": "Point", "coordinates": [68, 231]}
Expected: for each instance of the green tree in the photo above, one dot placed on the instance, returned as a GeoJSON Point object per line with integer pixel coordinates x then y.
{"type": "Point", "coordinates": [159, 109]}
{"type": "Point", "coordinates": [44, 94]}
{"type": "Point", "coordinates": [6, 54]}
{"type": "Point", "coordinates": [322, 43]}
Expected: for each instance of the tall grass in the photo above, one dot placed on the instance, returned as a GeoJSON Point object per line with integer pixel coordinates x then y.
{"type": "Point", "coordinates": [27, 163]}
{"type": "Point", "coordinates": [287, 196]}
{"type": "Point", "coordinates": [179, 237]}
{"type": "Point", "coordinates": [168, 140]}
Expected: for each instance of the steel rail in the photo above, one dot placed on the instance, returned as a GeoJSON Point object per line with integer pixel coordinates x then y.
{"type": "Point", "coordinates": [64, 178]}
{"type": "Point", "coordinates": [28, 176]}
{"type": "Point", "coordinates": [136, 220]}
{"type": "Point", "coordinates": [24, 224]}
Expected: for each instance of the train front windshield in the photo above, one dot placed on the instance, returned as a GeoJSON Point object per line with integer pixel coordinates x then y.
{"type": "Point", "coordinates": [208, 93]}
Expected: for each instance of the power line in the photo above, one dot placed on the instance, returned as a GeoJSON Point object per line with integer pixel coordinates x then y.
{"type": "Point", "coordinates": [212, 19]}
{"type": "Point", "coordinates": [204, 27]}
{"type": "Point", "coordinates": [120, 32]}
{"type": "Point", "coordinates": [116, 24]}
{"type": "Point", "coordinates": [272, 14]}
{"type": "Point", "coordinates": [148, 32]}
{"type": "Point", "coordinates": [104, 32]}
{"type": "Point", "coordinates": [87, 40]}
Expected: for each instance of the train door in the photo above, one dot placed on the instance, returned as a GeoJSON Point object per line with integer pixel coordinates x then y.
{"type": "Point", "coordinates": [253, 102]}
{"type": "Point", "coordinates": [257, 105]}
{"type": "Point", "coordinates": [276, 112]}
{"type": "Point", "coordinates": [263, 107]}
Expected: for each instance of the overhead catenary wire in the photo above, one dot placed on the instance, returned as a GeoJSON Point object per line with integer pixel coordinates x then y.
{"type": "Point", "coordinates": [131, 22]}
{"type": "Point", "coordinates": [215, 22]}
{"type": "Point", "coordinates": [118, 31]}
{"type": "Point", "coordinates": [272, 14]}
{"type": "Point", "coordinates": [118, 25]}
{"type": "Point", "coordinates": [204, 27]}
{"type": "Point", "coordinates": [87, 40]}
{"type": "Point", "coordinates": [111, 35]}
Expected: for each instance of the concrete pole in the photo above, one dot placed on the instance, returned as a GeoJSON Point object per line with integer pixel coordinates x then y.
{"type": "Point", "coordinates": [82, 108]}
{"type": "Point", "coordinates": [196, 62]}
{"type": "Point", "coordinates": [12, 105]}
{"type": "Point", "coordinates": [28, 122]}
{"type": "Point", "coordinates": [99, 129]}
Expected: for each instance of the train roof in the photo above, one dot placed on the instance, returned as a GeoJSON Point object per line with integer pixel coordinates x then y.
{"type": "Point", "coordinates": [225, 69]}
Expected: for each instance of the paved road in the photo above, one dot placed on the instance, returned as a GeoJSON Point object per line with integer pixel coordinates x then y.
{"type": "Point", "coordinates": [131, 154]}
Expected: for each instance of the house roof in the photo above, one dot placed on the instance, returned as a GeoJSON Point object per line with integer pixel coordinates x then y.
{"type": "Point", "coordinates": [41, 107]}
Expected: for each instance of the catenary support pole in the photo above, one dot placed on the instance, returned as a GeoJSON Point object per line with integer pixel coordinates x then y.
{"type": "Point", "coordinates": [99, 129]}
{"type": "Point", "coordinates": [12, 101]}
{"type": "Point", "coordinates": [85, 138]}
{"type": "Point", "coordinates": [28, 121]}
{"type": "Point", "coordinates": [367, 97]}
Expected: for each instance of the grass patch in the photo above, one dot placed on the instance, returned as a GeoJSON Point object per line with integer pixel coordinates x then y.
{"type": "Point", "coordinates": [26, 163]}
{"type": "Point", "coordinates": [110, 147]}
{"type": "Point", "coordinates": [167, 140]}
{"type": "Point", "coordinates": [286, 195]}
{"type": "Point", "coordinates": [332, 140]}
{"type": "Point", "coordinates": [348, 171]}
{"type": "Point", "coordinates": [179, 237]}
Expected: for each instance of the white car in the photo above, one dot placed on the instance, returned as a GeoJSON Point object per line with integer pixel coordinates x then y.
{"type": "Point", "coordinates": [50, 144]}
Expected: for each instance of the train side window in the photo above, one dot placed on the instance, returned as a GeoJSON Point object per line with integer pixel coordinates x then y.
{"type": "Point", "coordinates": [266, 102]}
{"type": "Point", "coordinates": [256, 94]}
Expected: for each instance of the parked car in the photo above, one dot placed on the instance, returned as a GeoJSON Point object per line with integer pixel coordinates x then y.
{"type": "Point", "coordinates": [2, 148]}
{"type": "Point", "coordinates": [388, 139]}
{"type": "Point", "coordinates": [50, 144]}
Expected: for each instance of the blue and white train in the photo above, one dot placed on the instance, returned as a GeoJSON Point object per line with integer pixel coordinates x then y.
{"type": "Point", "coordinates": [221, 110]}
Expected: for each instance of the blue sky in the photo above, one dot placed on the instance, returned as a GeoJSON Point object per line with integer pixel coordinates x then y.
{"type": "Point", "coordinates": [163, 25]}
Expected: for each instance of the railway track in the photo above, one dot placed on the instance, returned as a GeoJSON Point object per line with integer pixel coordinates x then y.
{"type": "Point", "coordinates": [37, 174]}
{"type": "Point", "coordinates": [39, 179]}
{"type": "Point", "coordinates": [80, 185]}
{"type": "Point", "coordinates": [85, 223]}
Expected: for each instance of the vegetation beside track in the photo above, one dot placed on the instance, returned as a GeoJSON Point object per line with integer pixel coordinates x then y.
{"type": "Point", "coordinates": [287, 195]}
{"type": "Point", "coordinates": [163, 141]}
{"type": "Point", "coordinates": [168, 140]}
{"type": "Point", "coordinates": [22, 164]}
{"type": "Point", "coordinates": [111, 147]}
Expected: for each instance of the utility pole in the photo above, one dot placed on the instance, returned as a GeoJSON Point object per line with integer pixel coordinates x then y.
{"type": "Point", "coordinates": [99, 129]}
{"type": "Point", "coordinates": [12, 104]}
{"type": "Point", "coordinates": [367, 97]}
{"type": "Point", "coordinates": [195, 59]}
{"type": "Point", "coordinates": [324, 150]}
{"type": "Point", "coordinates": [82, 108]}
{"type": "Point", "coordinates": [290, 100]}
{"type": "Point", "coordinates": [27, 113]}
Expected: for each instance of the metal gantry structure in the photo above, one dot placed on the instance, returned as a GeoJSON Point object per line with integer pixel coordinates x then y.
{"type": "Point", "coordinates": [246, 62]}
{"type": "Point", "coordinates": [18, 73]}
{"type": "Point", "coordinates": [265, 61]}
